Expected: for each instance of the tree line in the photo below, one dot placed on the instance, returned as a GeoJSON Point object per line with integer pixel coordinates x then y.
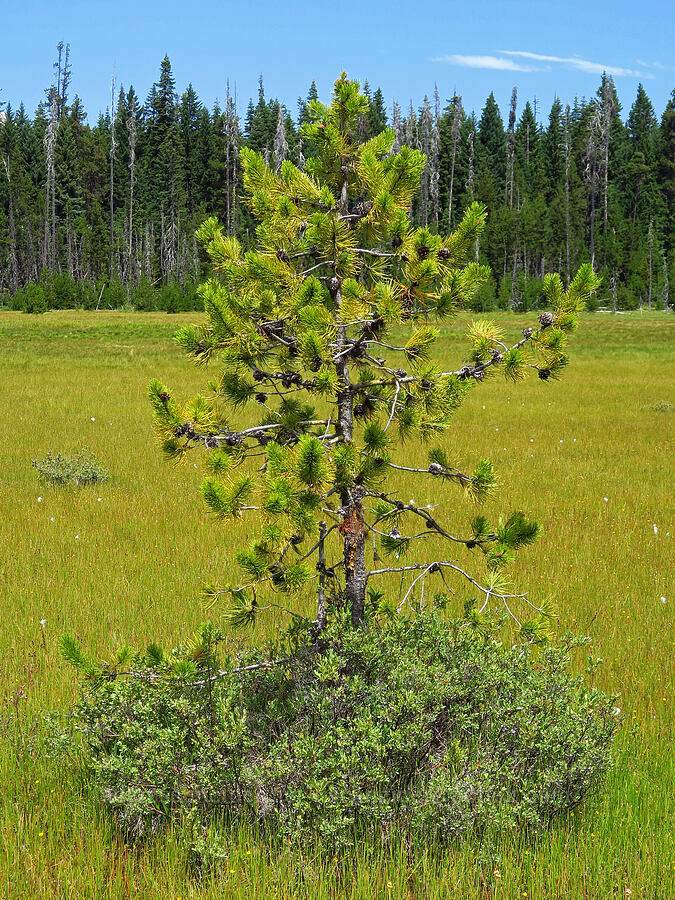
{"type": "Point", "coordinates": [105, 215]}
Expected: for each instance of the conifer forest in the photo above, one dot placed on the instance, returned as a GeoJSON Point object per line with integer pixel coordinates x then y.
{"type": "Point", "coordinates": [104, 215]}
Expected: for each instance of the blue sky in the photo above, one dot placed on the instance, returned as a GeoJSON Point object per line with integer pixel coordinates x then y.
{"type": "Point", "coordinates": [545, 49]}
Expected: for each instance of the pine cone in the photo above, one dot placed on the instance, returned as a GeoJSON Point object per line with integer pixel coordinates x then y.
{"type": "Point", "coordinates": [527, 332]}
{"type": "Point", "coordinates": [435, 468]}
{"type": "Point", "coordinates": [546, 319]}
{"type": "Point", "coordinates": [396, 242]}
{"type": "Point", "coordinates": [423, 252]}
{"type": "Point", "coordinates": [261, 398]}
{"type": "Point", "coordinates": [282, 255]}
{"type": "Point", "coordinates": [363, 208]}
{"type": "Point", "coordinates": [443, 253]}
{"type": "Point", "coordinates": [258, 375]}
{"type": "Point", "coordinates": [334, 284]}
{"type": "Point", "coordinates": [544, 374]}
{"type": "Point", "coordinates": [407, 298]}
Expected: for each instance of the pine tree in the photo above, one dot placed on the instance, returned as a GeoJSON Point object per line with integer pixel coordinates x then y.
{"type": "Point", "coordinates": [308, 327]}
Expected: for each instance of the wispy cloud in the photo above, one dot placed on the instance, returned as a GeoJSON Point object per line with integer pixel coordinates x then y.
{"type": "Point", "coordinates": [578, 63]}
{"type": "Point", "coordinates": [527, 61]}
{"type": "Point", "coordinates": [652, 65]}
{"type": "Point", "coordinates": [488, 62]}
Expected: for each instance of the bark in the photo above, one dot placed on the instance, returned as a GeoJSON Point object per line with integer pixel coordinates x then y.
{"type": "Point", "coordinates": [666, 286]}
{"type": "Point", "coordinates": [650, 238]}
{"type": "Point", "coordinates": [425, 123]}
{"type": "Point", "coordinates": [50, 197]}
{"type": "Point", "coordinates": [321, 567]}
{"type": "Point", "coordinates": [69, 246]}
{"type": "Point", "coordinates": [608, 112]}
{"type": "Point", "coordinates": [567, 194]}
{"type": "Point", "coordinates": [280, 142]}
{"type": "Point", "coordinates": [13, 258]}
{"type": "Point", "coordinates": [112, 172]}
{"type": "Point", "coordinates": [351, 526]}
{"type": "Point", "coordinates": [397, 125]}
{"type": "Point", "coordinates": [511, 148]}
{"type": "Point", "coordinates": [455, 132]}
{"type": "Point", "coordinates": [131, 126]}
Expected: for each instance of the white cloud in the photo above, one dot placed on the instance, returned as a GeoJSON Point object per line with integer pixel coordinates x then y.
{"type": "Point", "coordinates": [651, 65]}
{"type": "Point", "coordinates": [576, 62]}
{"type": "Point", "coordinates": [488, 62]}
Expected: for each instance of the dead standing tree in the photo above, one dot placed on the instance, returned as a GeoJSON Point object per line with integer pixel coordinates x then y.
{"type": "Point", "coordinates": [112, 176]}
{"type": "Point", "coordinates": [511, 150]}
{"type": "Point", "coordinates": [49, 253]}
{"type": "Point", "coordinates": [455, 132]}
{"type": "Point", "coordinates": [305, 319]}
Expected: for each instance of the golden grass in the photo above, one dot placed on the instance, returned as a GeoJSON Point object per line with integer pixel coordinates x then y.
{"type": "Point", "coordinates": [128, 568]}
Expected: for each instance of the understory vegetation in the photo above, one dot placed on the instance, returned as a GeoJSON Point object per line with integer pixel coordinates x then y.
{"type": "Point", "coordinates": [412, 725]}
{"type": "Point", "coordinates": [82, 468]}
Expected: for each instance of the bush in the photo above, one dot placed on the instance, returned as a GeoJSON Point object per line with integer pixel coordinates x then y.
{"type": "Point", "coordinates": [408, 723]}
{"type": "Point", "coordinates": [485, 300]}
{"type": "Point", "coordinates": [83, 468]}
{"type": "Point", "coordinates": [144, 295]}
{"type": "Point", "coordinates": [34, 300]}
{"type": "Point", "coordinates": [115, 295]}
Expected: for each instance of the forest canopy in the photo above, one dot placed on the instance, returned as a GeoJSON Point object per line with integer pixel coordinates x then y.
{"type": "Point", "coordinates": [105, 214]}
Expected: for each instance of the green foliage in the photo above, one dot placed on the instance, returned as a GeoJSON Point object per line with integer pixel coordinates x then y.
{"type": "Point", "coordinates": [412, 723]}
{"type": "Point", "coordinates": [83, 468]}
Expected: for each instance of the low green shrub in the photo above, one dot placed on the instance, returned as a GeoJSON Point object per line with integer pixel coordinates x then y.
{"type": "Point", "coordinates": [83, 468]}
{"type": "Point", "coordinates": [407, 723]}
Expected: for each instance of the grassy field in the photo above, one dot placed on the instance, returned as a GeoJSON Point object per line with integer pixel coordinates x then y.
{"type": "Point", "coordinates": [591, 458]}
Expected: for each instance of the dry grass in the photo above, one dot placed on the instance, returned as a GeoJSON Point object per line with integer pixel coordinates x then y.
{"type": "Point", "coordinates": [591, 458]}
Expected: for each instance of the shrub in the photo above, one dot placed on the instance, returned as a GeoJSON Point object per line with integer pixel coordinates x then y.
{"type": "Point", "coordinates": [34, 300]}
{"type": "Point", "coordinates": [144, 295]}
{"type": "Point", "coordinates": [408, 723]}
{"type": "Point", "coordinates": [83, 468]}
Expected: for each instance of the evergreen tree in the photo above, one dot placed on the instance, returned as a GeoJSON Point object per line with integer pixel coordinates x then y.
{"type": "Point", "coordinates": [302, 324]}
{"type": "Point", "coordinates": [491, 142]}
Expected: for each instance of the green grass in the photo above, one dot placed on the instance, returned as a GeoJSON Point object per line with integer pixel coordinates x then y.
{"type": "Point", "coordinates": [128, 568]}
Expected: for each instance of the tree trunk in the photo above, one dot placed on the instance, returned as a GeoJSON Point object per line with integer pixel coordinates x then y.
{"type": "Point", "coordinates": [567, 196]}
{"type": "Point", "coordinates": [351, 526]}
{"type": "Point", "coordinates": [131, 125]}
{"type": "Point", "coordinates": [13, 258]}
{"type": "Point", "coordinates": [651, 259]}
{"type": "Point", "coordinates": [112, 172]}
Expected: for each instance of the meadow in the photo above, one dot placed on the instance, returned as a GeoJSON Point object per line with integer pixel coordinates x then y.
{"type": "Point", "coordinates": [591, 458]}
